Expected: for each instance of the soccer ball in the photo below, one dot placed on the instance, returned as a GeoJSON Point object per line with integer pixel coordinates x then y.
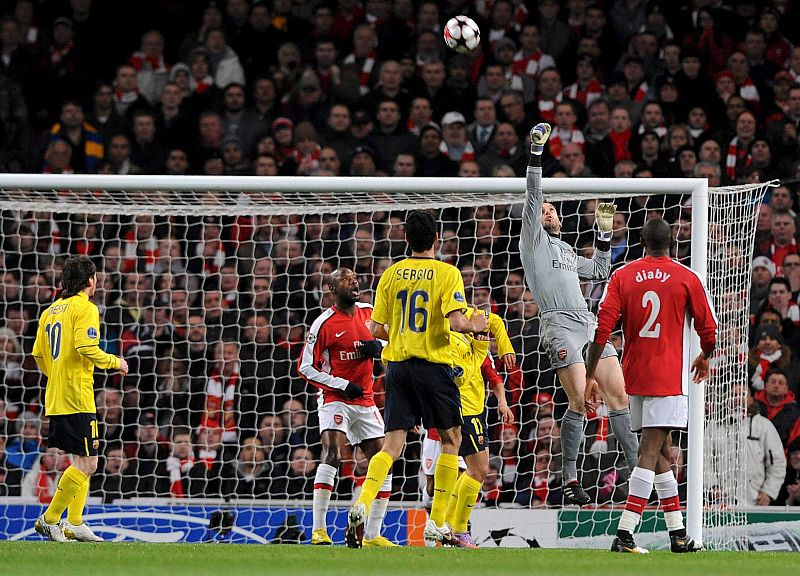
{"type": "Point", "coordinates": [462, 34]}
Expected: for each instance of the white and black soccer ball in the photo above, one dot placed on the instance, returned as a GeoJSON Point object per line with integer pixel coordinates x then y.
{"type": "Point", "coordinates": [462, 34]}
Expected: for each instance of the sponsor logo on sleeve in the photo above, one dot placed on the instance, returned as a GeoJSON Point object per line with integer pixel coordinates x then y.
{"type": "Point", "coordinates": [92, 332]}
{"type": "Point", "coordinates": [311, 339]}
{"type": "Point", "coordinates": [459, 297]}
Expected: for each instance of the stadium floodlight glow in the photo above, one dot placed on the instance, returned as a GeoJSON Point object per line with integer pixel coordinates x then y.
{"type": "Point", "coordinates": [722, 222]}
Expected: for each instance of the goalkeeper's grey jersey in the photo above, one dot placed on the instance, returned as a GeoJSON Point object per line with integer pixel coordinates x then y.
{"type": "Point", "coordinates": [552, 268]}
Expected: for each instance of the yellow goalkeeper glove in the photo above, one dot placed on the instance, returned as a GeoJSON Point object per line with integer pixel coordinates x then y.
{"type": "Point", "coordinates": [604, 216]}
{"type": "Point", "coordinates": [539, 135]}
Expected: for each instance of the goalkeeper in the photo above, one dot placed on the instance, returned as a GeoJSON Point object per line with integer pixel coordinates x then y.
{"type": "Point", "coordinates": [553, 271]}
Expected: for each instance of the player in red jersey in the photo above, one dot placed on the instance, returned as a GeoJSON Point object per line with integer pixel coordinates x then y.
{"type": "Point", "coordinates": [338, 359]}
{"type": "Point", "coordinates": [656, 298]}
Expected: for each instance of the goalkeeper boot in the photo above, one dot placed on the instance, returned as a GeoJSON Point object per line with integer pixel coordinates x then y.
{"type": "Point", "coordinates": [624, 543]}
{"type": "Point", "coordinates": [319, 537]}
{"type": "Point", "coordinates": [378, 542]}
{"type": "Point", "coordinates": [465, 540]}
{"type": "Point", "coordinates": [50, 531]}
{"type": "Point", "coordinates": [575, 494]}
{"type": "Point", "coordinates": [81, 532]}
{"type": "Point", "coordinates": [682, 544]}
{"type": "Point", "coordinates": [442, 534]}
{"type": "Point", "coordinates": [356, 518]}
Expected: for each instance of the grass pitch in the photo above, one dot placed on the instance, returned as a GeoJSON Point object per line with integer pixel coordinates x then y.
{"type": "Point", "coordinates": [123, 559]}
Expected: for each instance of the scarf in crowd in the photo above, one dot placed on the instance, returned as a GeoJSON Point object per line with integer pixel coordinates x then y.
{"type": "Point", "coordinates": [149, 252]}
{"type": "Point", "coordinates": [57, 53]}
{"type": "Point", "coordinates": [366, 70]}
{"type": "Point", "coordinates": [764, 362]}
{"type": "Point", "coordinates": [734, 157]}
{"type": "Point", "coordinates": [220, 394]}
{"type": "Point", "coordinates": [156, 63]}
{"type": "Point", "coordinates": [547, 108]}
{"type": "Point", "coordinates": [749, 92]}
{"type": "Point", "coordinates": [45, 487]}
{"type": "Point", "coordinates": [201, 86]}
{"type": "Point", "coordinates": [177, 468]}
{"type": "Point", "coordinates": [467, 155]}
{"type": "Point", "coordinates": [660, 130]}
{"type": "Point", "coordinates": [211, 265]}
{"type": "Point", "coordinates": [314, 157]}
{"type": "Point", "coordinates": [527, 64]}
{"type": "Point", "coordinates": [619, 143]}
{"type": "Point", "coordinates": [585, 94]}
{"type": "Point", "coordinates": [561, 137]}
{"type": "Point", "coordinates": [128, 97]}
{"type": "Point", "coordinates": [641, 92]}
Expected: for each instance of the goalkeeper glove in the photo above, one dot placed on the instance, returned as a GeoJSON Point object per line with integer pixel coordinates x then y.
{"type": "Point", "coordinates": [539, 135]}
{"type": "Point", "coordinates": [353, 391]}
{"type": "Point", "coordinates": [370, 348]}
{"type": "Point", "coordinates": [604, 216]}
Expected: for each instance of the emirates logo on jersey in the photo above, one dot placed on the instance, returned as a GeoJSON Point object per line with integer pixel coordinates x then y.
{"type": "Point", "coordinates": [338, 418]}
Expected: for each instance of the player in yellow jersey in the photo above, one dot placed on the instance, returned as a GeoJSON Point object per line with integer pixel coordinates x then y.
{"type": "Point", "coordinates": [473, 368]}
{"type": "Point", "coordinates": [418, 303]}
{"type": "Point", "coordinates": [66, 351]}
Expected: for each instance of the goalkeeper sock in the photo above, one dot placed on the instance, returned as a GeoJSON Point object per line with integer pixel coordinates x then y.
{"type": "Point", "coordinates": [467, 496]}
{"type": "Point", "coordinates": [444, 478]}
{"type": "Point", "coordinates": [75, 508]}
{"type": "Point", "coordinates": [667, 489]}
{"type": "Point", "coordinates": [640, 486]}
{"type": "Point", "coordinates": [377, 512]}
{"type": "Point", "coordinates": [323, 486]}
{"type": "Point", "coordinates": [452, 505]}
{"type": "Point", "coordinates": [571, 440]}
{"type": "Point", "coordinates": [379, 466]}
{"type": "Point", "coordinates": [71, 483]}
{"type": "Point", "coordinates": [621, 427]}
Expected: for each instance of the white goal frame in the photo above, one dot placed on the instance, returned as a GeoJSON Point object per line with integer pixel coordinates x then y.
{"type": "Point", "coordinates": [504, 191]}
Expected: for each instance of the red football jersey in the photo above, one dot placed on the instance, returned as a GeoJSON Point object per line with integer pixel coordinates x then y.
{"type": "Point", "coordinates": [331, 359]}
{"type": "Point", "coordinates": [657, 298]}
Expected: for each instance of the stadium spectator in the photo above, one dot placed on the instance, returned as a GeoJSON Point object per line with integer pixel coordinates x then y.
{"type": "Point", "coordinates": [777, 402]}
{"type": "Point", "coordinates": [249, 475]}
{"type": "Point", "coordinates": [10, 475]}
{"type": "Point", "coordinates": [24, 449]}
{"type": "Point", "coordinates": [298, 482]}
{"type": "Point", "coordinates": [790, 491]}
{"type": "Point", "coordinates": [115, 482]}
{"type": "Point", "coordinates": [41, 481]}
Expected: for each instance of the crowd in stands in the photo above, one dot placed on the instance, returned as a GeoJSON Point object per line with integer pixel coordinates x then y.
{"type": "Point", "coordinates": [211, 312]}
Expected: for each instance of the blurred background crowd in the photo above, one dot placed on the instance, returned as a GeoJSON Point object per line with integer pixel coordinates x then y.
{"type": "Point", "coordinates": [211, 313]}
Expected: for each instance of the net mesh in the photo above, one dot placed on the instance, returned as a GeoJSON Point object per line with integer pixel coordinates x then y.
{"type": "Point", "coordinates": [209, 295]}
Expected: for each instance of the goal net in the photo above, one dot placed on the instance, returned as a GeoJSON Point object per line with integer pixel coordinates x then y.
{"type": "Point", "coordinates": [207, 286]}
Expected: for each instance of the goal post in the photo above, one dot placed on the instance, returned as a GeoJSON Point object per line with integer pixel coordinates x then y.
{"type": "Point", "coordinates": [729, 212]}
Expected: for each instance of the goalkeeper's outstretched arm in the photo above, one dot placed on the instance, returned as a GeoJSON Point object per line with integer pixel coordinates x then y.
{"type": "Point", "coordinates": [599, 267]}
{"type": "Point", "coordinates": [532, 211]}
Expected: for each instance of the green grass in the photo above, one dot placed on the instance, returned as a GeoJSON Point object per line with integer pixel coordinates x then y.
{"type": "Point", "coordinates": [122, 559]}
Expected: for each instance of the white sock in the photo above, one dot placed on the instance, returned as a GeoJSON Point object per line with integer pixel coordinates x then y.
{"type": "Point", "coordinates": [427, 499]}
{"type": "Point", "coordinates": [667, 488]}
{"type": "Point", "coordinates": [323, 486]}
{"type": "Point", "coordinates": [640, 486]}
{"type": "Point", "coordinates": [377, 512]}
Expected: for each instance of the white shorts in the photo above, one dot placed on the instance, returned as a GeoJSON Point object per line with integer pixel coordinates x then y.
{"type": "Point", "coordinates": [359, 423]}
{"type": "Point", "coordinates": [431, 449]}
{"type": "Point", "coordinates": [659, 412]}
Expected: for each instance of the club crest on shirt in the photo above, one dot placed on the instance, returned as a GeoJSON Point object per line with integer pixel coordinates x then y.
{"type": "Point", "coordinates": [96, 444]}
{"type": "Point", "coordinates": [428, 463]}
{"type": "Point", "coordinates": [338, 418]}
{"type": "Point", "coordinates": [92, 332]}
{"type": "Point", "coordinates": [562, 354]}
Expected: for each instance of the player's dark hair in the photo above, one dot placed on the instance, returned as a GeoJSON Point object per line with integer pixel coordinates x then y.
{"type": "Point", "coordinates": [420, 230]}
{"type": "Point", "coordinates": [657, 235]}
{"type": "Point", "coordinates": [77, 272]}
